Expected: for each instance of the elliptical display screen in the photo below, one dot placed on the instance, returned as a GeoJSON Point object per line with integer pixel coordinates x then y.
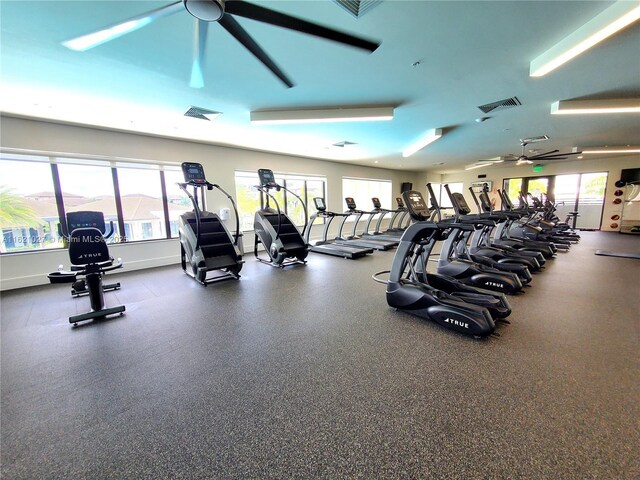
{"type": "Point", "coordinates": [399, 202]}
{"type": "Point", "coordinates": [416, 205]}
{"type": "Point", "coordinates": [376, 202]}
{"type": "Point", "coordinates": [267, 179]}
{"type": "Point", "coordinates": [193, 173]}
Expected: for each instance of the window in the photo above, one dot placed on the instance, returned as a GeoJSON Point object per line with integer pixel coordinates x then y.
{"type": "Point", "coordinates": [441, 194]}
{"type": "Point", "coordinates": [145, 205]}
{"type": "Point", "coordinates": [89, 186]}
{"type": "Point", "coordinates": [28, 209]}
{"type": "Point", "coordinates": [142, 206]}
{"type": "Point", "coordinates": [249, 199]}
{"type": "Point", "coordinates": [512, 187]}
{"type": "Point", "coordinates": [177, 202]}
{"type": "Point", "coordinates": [363, 190]}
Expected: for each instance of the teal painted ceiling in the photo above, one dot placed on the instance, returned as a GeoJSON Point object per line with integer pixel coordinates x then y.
{"type": "Point", "coordinates": [438, 61]}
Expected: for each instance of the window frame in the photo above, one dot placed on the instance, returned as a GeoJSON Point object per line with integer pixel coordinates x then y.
{"type": "Point", "coordinates": [282, 179]}
{"type": "Point", "coordinates": [54, 160]}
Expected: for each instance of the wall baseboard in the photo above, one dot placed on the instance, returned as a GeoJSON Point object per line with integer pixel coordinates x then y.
{"type": "Point", "coordinates": [41, 279]}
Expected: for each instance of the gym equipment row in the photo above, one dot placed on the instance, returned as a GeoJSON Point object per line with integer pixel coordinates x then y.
{"type": "Point", "coordinates": [483, 257]}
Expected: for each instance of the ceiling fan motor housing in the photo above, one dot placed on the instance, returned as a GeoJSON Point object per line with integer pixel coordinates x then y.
{"type": "Point", "coordinates": [206, 10]}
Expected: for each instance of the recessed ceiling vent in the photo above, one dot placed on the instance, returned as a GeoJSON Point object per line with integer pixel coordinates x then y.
{"type": "Point", "coordinates": [201, 113]}
{"type": "Point", "coordinates": [343, 144]}
{"type": "Point", "coordinates": [500, 105]}
{"type": "Point", "coordinates": [357, 8]}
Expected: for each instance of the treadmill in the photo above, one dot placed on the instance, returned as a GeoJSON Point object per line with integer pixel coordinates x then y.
{"type": "Point", "coordinates": [354, 239]}
{"type": "Point", "coordinates": [390, 235]}
{"type": "Point", "coordinates": [325, 246]}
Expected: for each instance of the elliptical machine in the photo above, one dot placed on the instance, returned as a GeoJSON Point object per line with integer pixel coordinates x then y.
{"type": "Point", "coordinates": [275, 230]}
{"type": "Point", "coordinates": [465, 310]}
{"type": "Point", "coordinates": [205, 242]}
{"type": "Point", "coordinates": [468, 271]}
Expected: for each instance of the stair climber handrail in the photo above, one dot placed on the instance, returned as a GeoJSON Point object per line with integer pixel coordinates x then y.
{"type": "Point", "coordinates": [196, 210]}
{"type": "Point", "coordinates": [235, 209]}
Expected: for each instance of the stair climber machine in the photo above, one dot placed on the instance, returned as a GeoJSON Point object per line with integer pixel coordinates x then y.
{"type": "Point", "coordinates": [464, 270]}
{"type": "Point", "coordinates": [89, 257]}
{"type": "Point", "coordinates": [483, 237]}
{"type": "Point", "coordinates": [447, 301]}
{"type": "Point", "coordinates": [325, 246]}
{"type": "Point", "coordinates": [484, 256]}
{"type": "Point", "coordinates": [206, 245]}
{"type": "Point", "coordinates": [275, 230]}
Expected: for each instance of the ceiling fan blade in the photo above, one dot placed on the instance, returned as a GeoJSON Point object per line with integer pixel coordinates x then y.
{"type": "Point", "coordinates": [240, 34]}
{"type": "Point", "coordinates": [93, 39]}
{"type": "Point", "coordinates": [199, 45]}
{"type": "Point", "coordinates": [533, 157]}
{"type": "Point", "coordinates": [262, 14]}
{"type": "Point", "coordinates": [558, 155]}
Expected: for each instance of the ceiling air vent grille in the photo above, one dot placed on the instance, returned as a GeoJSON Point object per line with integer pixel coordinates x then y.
{"type": "Point", "coordinates": [357, 8]}
{"type": "Point", "coordinates": [201, 113]}
{"type": "Point", "coordinates": [500, 105]}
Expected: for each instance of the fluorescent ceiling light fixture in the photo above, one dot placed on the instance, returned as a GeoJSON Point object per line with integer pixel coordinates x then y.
{"type": "Point", "coordinates": [487, 163]}
{"type": "Point", "coordinates": [577, 107]}
{"type": "Point", "coordinates": [430, 137]}
{"type": "Point", "coordinates": [85, 42]}
{"type": "Point", "coordinates": [613, 19]}
{"type": "Point", "coordinates": [328, 115]}
{"type": "Point", "coordinates": [621, 149]}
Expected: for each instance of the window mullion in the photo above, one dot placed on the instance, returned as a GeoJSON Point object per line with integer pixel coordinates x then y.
{"type": "Point", "coordinates": [55, 176]}
{"type": "Point", "coordinates": [165, 205]}
{"type": "Point", "coordinates": [118, 199]}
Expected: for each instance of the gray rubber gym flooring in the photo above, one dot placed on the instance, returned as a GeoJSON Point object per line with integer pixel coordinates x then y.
{"type": "Point", "coordinates": [307, 373]}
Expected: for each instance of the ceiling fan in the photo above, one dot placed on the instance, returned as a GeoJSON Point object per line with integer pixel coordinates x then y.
{"type": "Point", "coordinates": [523, 159]}
{"type": "Point", "coordinates": [221, 11]}
{"type": "Point", "coordinates": [526, 159]}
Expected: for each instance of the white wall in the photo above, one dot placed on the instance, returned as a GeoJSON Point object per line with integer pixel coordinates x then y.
{"type": "Point", "coordinates": [220, 163]}
{"type": "Point", "coordinates": [496, 174]}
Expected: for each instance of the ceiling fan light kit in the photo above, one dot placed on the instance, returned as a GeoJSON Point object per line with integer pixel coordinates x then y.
{"type": "Point", "coordinates": [206, 10]}
{"type": "Point", "coordinates": [618, 16]}
{"type": "Point", "coordinates": [581, 107]}
{"type": "Point", "coordinates": [328, 115]}
{"type": "Point", "coordinates": [430, 137]}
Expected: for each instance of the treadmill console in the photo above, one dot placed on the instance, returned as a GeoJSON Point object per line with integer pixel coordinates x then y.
{"type": "Point", "coordinates": [193, 173]}
{"type": "Point", "coordinates": [351, 203]}
{"type": "Point", "coordinates": [399, 202]}
{"type": "Point", "coordinates": [416, 205]}
{"type": "Point", "coordinates": [320, 205]}
{"type": "Point", "coordinates": [267, 179]}
{"type": "Point", "coordinates": [376, 202]}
